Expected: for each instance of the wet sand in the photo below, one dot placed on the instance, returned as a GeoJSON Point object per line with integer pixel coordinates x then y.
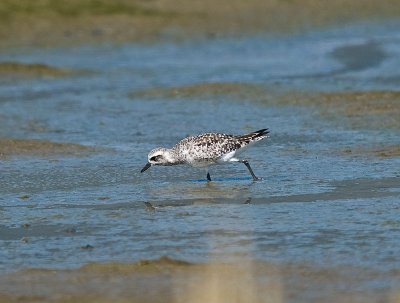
{"type": "Point", "coordinates": [167, 280]}
{"type": "Point", "coordinates": [75, 22]}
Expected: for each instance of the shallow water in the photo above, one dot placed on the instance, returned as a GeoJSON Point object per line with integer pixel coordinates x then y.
{"type": "Point", "coordinates": [315, 204]}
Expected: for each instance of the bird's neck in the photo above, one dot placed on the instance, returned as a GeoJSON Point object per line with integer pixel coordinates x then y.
{"type": "Point", "coordinates": [174, 157]}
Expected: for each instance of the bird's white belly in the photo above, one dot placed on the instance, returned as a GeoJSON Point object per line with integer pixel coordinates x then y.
{"type": "Point", "coordinates": [229, 157]}
{"type": "Point", "coordinates": [201, 163]}
{"type": "Point", "coordinates": [194, 160]}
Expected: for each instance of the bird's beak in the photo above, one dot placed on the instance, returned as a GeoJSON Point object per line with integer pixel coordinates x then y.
{"type": "Point", "coordinates": [146, 167]}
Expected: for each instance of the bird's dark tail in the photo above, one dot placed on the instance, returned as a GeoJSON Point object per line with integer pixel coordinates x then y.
{"type": "Point", "coordinates": [254, 136]}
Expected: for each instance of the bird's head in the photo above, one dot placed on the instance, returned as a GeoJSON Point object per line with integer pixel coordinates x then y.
{"type": "Point", "coordinates": [158, 156]}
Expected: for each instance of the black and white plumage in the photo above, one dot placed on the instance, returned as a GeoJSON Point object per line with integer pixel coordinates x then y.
{"type": "Point", "coordinates": [205, 150]}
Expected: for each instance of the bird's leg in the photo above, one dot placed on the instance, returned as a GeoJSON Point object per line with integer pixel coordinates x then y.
{"type": "Point", "coordinates": [245, 162]}
{"type": "Point", "coordinates": [208, 177]}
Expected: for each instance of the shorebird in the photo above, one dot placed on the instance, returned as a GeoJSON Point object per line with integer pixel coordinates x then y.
{"type": "Point", "coordinates": [205, 150]}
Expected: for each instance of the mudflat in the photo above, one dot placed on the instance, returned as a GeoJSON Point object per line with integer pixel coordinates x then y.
{"type": "Point", "coordinates": [49, 22]}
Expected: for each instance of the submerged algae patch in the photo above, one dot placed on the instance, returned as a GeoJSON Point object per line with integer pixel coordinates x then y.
{"type": "Point", "coordinates": [362, 102]}
{"type": "Point", "coordinates": [388, 151]}
{"type": "Point", "coordinates": [372, 109]}
{"type": "Point", "coordinates": [143, 265]}
{"type": "Point", "coordinates": [236, 90]}
{"type": "Point", "coordinates": [30, 147]}
{"type": "Point", "coordinates": [18, 69]}
{"type": "Point", "coordinates": [384, 151]}
{"type": "Point", "coordinates": [369, 109]}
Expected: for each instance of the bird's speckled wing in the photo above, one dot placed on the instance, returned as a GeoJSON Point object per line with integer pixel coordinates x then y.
{"type": "Point", "coordinates": [207, 147]}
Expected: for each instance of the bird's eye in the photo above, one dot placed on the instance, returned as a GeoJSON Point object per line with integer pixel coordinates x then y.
{"type": "Point", "coordinates": [155, 158]}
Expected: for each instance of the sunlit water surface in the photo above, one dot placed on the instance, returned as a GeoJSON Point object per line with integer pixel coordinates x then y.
{"type": "Point", "coordinates": [314, 204]}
